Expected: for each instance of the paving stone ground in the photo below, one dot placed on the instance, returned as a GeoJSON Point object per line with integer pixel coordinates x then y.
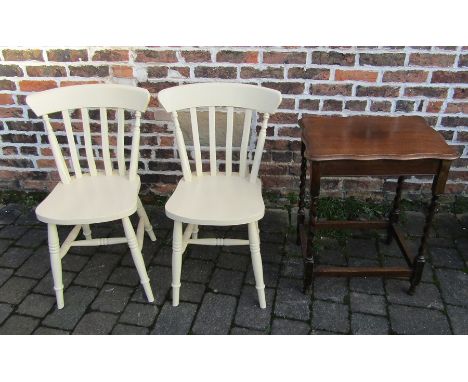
{"type": "Point", "coordinates": [218, 295]}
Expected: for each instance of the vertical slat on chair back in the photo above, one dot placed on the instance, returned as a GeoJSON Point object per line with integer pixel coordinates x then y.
{"type": "Point", "coordinates": [240, 96]}
{"type": "Point", "coordinates": [87, 141]}
{"type": "Point", "coordinates": [85, 97]}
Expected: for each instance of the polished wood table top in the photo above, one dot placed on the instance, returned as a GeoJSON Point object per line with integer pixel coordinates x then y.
{"type": "Point", "coordinates": [372, 138]}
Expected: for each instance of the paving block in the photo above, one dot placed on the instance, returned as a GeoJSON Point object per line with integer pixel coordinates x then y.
{"type": "Point", "coordinates": [74, 263]}
{"type": "Point", "coordinates": [290, 301]}
{"type": "Point", "coordinates": [425, 296]}
{"type": "Point", "coordinates": [226, 281]}
{"type": "Point", "coordinates": [139, 314]}
{"type": "Point", "coordinates": [14, 256]}
{"type": "Point", "coordinates": [37, 265]}
{"type": "Point", "coordinates": [17, 324]}
{"type": "Point", "coordinates": [160, 279]}
{"type": "Point", "coordinates": [5, 274]}
{"type": "Point", "coordinates": [112, 298]}
{"type": "Point", "coordinates": [446, 258]}
{"type": "Point", "coordinates": [5, 310]}
{"type": "Point", "coordinates": [12, 232]}
{"type": "Point", "coordinates": [196, 270]}
{"type": "Point", "coordinates": [245, 331]}
{"type": "Point", "coordinates": [234, 261]}
{"type": "Point", "coordinates": [33, 238]}
{"type": "Point", "coordinates": [367, 324]}
{"type": "Point", "coordinates": [270, 275]}
{"type": "Point", "coordinates": [125, 276]}
{"type": "Point", "coordinates": [281, 326]}
{"type": "Point", "coordinates": [330, 316]}
{"type": "Point", "coordinates": [44, 330]}
{"type": "Point", "coordinates": [409, 320]}
{"type": "Point", "coordinates": [331, 288]}
{"type": "Point", "coordinates": [192, 292]}
{"type": "Point", "coordinates": [175, 319]}
{"type": "Point", "coordinates": [215, 314]}
{"type": "Point", "coordinates": [249, 314]}
{"type": "Point", "coordinates": [36, 305]}
{"type": "Point", "coordinates": [46, 285]}
{"type": "Point", "coordinates": [96, 323]}
{"type": "Point", "coordinates": [369, 285]}
{"type": "Point", "coordinates": [15, 289]}
{"type": "Point", "coordinates": [98, 269]}
{"type": "Point", "coordinates": [366, 303]}
{"type": "Point", "coordinates": [364, 248]}
{"type": "Point", "coordinates": [458, 318]}
{"type": "Point", "coordinates": [122, 329]}
{"type": "Point", "coordinates": [453, 286]}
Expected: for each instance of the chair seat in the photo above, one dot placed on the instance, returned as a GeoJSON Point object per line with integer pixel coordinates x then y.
{"type": "Point", "coordinates": [90, 200]}
{"type": "Point", "coordinates": [216, 200]}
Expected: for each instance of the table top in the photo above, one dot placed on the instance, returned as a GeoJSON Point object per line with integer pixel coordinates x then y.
{"type": "Point", "coordinates": [372, 138]}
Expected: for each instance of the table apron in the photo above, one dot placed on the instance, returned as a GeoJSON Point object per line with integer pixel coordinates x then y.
{"type": "Point", "coordinates": [379, 167]}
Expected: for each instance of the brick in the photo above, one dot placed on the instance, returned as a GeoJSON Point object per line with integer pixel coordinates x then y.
{"type": "Point", "coordinates": [382, 59]}
{"type": "Point", "coordinates": [19, 325]}
{"type": "Point", "coordinates": [284, 57]}
{"type": "Point", "coordinates": [11, 112]}
{"type": "Point", "coordinates": [377, 91]}
{"type": "Point", "coordinates": [330, 316]}
{"type": "Point", "coordinates": [67, 55]}
{"type": "Point", "coordinates": [333, 58]}
{"type": "Point", "coordinates": [455, 107]}
{"type": "Point", "coordinates": [440, 76]}
{"type": "Point", "coordinates": [286, 87]}
{"type": "Point", "coordinates": [248, 57]}
{"type": "Point", "coordinates": [89, 71]}
{"type": "Point", "coordinates": [196, 55]}
{"type": "Point", "coordinates": [309, 73]}
{"type": "Point", "coordinates": [215, 314]}
{"type": "Point", "coordinates": [10, 71]}
{"type": "Point", "coordinates": [355, 105]}
{"type": "Point", "coordinates": [408, 320]}
{"type": "Point", "coordinates": [289, 327]}
{"type": "Point", "coordinates": [122, 71]}
{"type": "Point", "coordinates": [331, 89]}
{"type": "Point", "coordinates": [434, 106]}
{"type": "Point", "coordinates": [15, 289]}
{"type": "Point", "coordinates": [215, 72]}
{"type": "Point", "coordinates": [7, 85]}
{"type": "Point", "coordinates": [268, 72]}
{"type": "Point", "coordinates": [36, 86]}
{"type": "Point", "coordinates": [463, 61]}
{"type": "Point", "coordinates": [404, 106]}
{"type": "Point", "coordinates": [77, 300]}
{"type": "Point", "coordinates": [309, 104]}
{"type": "Point", "coordinates": [46, 71]}
{"type": "Point", "coordinates": [111, 55]}
{"type": "Point", "coordinates": [156, 56]}
{"type": "Point", "coordinates": [175, 320]}
{"type": "Point", "coordinates": [157, 71]}
{"type": "Point", "coordinates": [364, 324]}
{"type": "Point", "coordinates": [355, 75]}
{"type": "Point", "coordinates": [430, 92]}
{"type": "Point", "coordinates": [381, 106]}
{"type": "Point", "coordinates": [22, 55]}
{"type": "Point", "coordinates": [454, 121]}
{"type": "Point", "coordinates": [428, 59]}
{"type": "Point", "coordinates": [332, 105]}
{"type": "Point", "coordinates": [405, 76]}
{"type": "Point", "coordinates": [36, 305]}
{"type": "Point", "coordinates": [459, 93]}
{"type": "Point", "coordinates": [96, 323]}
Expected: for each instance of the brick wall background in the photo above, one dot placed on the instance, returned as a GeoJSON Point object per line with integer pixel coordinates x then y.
{"type": "Point", "coordinates": [427, 81]}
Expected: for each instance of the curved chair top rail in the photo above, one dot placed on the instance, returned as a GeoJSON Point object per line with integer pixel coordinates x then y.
{"type": "Point", "coordinates": [89, 96]}
{"type": "Point", "coordinates": [244, 96]}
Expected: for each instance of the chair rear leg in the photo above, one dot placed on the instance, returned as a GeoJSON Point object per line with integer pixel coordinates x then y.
{"type": "Point", "coordinates": [176, 261]}
{"type": "Point", "coordinates": [142, 214]}
{"type": "Point", "coordinates": [254, 240]}
{"type": "Point", "coordinates": [137, 258]}
{"type": "Point", "coordinates": [56, 263]}
{"type": "Point", "coordinates": [195, 232]}
{"type": "Point", "coordinates": [87, 232]}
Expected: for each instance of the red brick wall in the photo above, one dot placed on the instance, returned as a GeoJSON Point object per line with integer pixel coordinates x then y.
{"type": "Point", "coordinates": [427, 81]}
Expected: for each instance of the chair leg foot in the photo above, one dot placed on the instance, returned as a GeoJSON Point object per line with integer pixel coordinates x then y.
{"type": "Point", "coordinates": [176, 261]}
{"type": "Point", "coordinates": [87, 232]}
{"type": "Point", "coordinates": [254, 240]}
{"type": "Point", "coordinates": [56, 263]}
{"type": "Point", "coordinates": [142, 214]}
{"type": "Point", "coordinates": [137, 258]}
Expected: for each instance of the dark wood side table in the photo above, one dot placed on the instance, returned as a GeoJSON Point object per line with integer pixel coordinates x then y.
{"type": "Point", "coordinates": [379, 146]}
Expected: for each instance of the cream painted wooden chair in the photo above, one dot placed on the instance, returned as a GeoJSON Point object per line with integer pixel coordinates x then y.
{"type": "Point", "coordinates": [96, 196]}
{"type": "Point", "coordinates": [214, 198]}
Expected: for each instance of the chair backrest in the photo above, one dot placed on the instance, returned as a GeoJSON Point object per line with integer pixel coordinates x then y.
{"type": "Point", "coordinates": [86, 98]}
{"type": "Point", "coordinates": [248, 98]}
